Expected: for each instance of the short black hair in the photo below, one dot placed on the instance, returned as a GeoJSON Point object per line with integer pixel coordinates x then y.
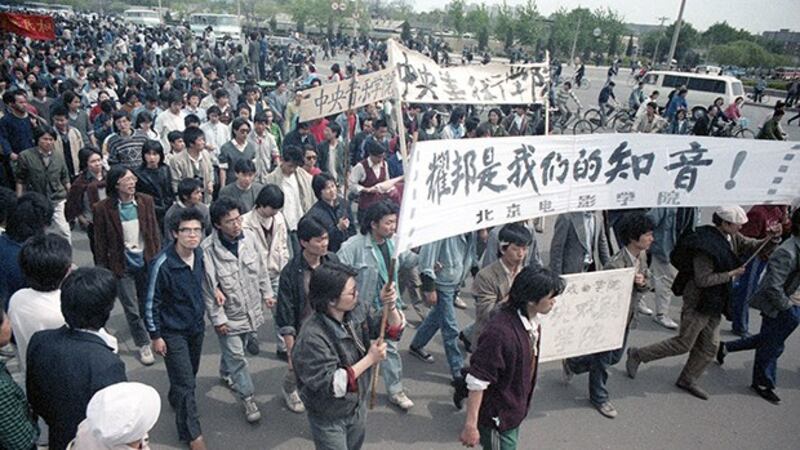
{"type": "Point", "coordinates": [187, 186]}
{"type": "Point", "coordinates": [374, 148]}
{"type": "Point", "coordinates": [222, 207]}
{"type": "Point", "coordinates": [175, 135]}
{"type": "Point", "coordinates": [270, 195]}
{"type": "Point", "coordinates": [186, 215]}
{"type": "Point", "coordinates": [472, 123]}
{"type": "Point", "coordinates": [633, 225]}
{"type": "Point", "coordinates": [513, 233]}
{"type": "Point", "coordinates": [191, 135]}
{"type": "Point", "coordinates": [118, 171]}
{"type": "Point", "coordinates": [191, 120]}
{"type": "Point", "coordinates": [32, 215]}
{"type": "Point", "coordinates": [319, 182]}
{"type": "Point", "coordinates": [58, 111]}
{"type": "Point", "coordinates": [294, 154]}
{"type": "Point", "coordinates": [45, 260]}
{"type": "Point", "coordinates": [84, 154]}
{"type": "Point", "coordinates": [376, 212]}
{"type": "Point", "coordinates": [532, 285]}
{"type": "Point", "coordinates": [245, 166]}
{"type": "Point", "coordinates": [87, 297]}
{"type": "Point", "coordinates": [335, 128]}
{"type": "Point", "coordinates": [327, 283]}
{"type": "Point", "coordinates": [42, 130]}
{"type": "Point", "coordinates": [152, 146]}
{"type": "Point", "coordinates": [260, 117]}
{"type": "Point", "coordinates": [309, 228]}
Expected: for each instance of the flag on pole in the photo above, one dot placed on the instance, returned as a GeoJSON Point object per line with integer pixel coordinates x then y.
{"type": "Point", "coordinates": [34, 26]}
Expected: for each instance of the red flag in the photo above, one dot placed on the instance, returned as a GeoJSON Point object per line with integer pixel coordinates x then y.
{"type": "Point", "coordinates": [31, 25]}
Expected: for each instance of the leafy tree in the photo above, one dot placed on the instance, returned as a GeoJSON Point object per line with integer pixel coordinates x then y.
{"type": "Point", "coordinates": [746, 54]}
{"type": "Point", "coordinates": [455, 16]}
{"type": "Point", "coordinates": [527, 24]}
{"type": "Point", "coordinates": [504, 25]}
{"type": "Point", "coordinates": [405, 34]}
{"type": "Point", "coordinates": [629, 48]}
{"type": "Point", "coordinates": [721, 33]}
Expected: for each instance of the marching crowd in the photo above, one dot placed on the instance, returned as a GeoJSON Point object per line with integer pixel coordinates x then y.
{"type": "Point", "coordinates": [206, 199]}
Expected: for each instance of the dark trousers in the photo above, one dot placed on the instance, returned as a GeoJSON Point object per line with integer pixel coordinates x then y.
{"type": "Point", "coordinates": [597, 365]}
{"type": "Point", "coordinates": [768, 344]}
{"type": "Point", "coordinates": [743, 288]}
{"type": "Point", "coordinates": [182, 361]}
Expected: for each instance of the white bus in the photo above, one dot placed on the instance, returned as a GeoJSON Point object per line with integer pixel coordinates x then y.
{"type": "Point", "coordinates": [50, 8]}
{"type": "Point", "coordinates": [142, 16]}
{"type": "Point", "coordinates": [221, 25]}
{"type": "Point", "coordinates": [703, 89]}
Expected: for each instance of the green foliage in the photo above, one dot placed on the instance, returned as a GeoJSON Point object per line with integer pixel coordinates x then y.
{"type": "Point", "coordinates": [503, 25]}
{"type": "Point", "coordinates": [527, 24]}
{"type": "Point", "coordinates": [688, 39]}
{"type": "Point", "coordinates": [747, 54]}
{"type": "Point", "coordinates": [721, 33]}
{"type": "Point", "coordinates": [455, 16]}
{"type": "Point", "coordinates": [405, 34]}
{"type": "Point", "coordinates": [629, 48]}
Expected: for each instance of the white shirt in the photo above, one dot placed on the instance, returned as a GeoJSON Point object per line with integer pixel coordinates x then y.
{"type": "Point", "coordinates": [216, 134]}
{"type": "Point", "coordinates": [292, 207]}
{"type": "Point", "coordinates": [166, 122]}
{"type": "Point", "coordinates": [31, 311]}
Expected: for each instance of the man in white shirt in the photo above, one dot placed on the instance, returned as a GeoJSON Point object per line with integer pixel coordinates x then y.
{"type": "Point", "coordinates": [45, 260]}
{"type": "Point", "coordinates": [171, 119]}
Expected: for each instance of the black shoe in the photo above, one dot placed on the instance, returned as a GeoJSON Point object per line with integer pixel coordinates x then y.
{"type": "Point", "coordinates": [465, 341]}
{"type": "Point", "coordinates": [461, 392]}
{"type": "Point", "coordinates": [722, 352]}
{"type": "Point", "coordinates": [767, 394]}
{"type": "Point", "coordinates": [283, 355]}
{"type": "Point", "coordinates": [421, 354]}
{"type": "Point", "coordinates": [693, 389]}
{"type": "Point", "coordinates": [252, 344]}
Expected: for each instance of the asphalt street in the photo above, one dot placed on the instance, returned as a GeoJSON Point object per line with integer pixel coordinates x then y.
{"type": "Point", "coordinates": [653, 413]}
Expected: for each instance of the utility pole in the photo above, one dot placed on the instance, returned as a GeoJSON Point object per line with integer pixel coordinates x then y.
{"type": "Point", "coordinates": [676, 33]}
{"type": "Point", "coordinates": [575, 41]}
{"type": "Point", "coordinates": [658, 41]}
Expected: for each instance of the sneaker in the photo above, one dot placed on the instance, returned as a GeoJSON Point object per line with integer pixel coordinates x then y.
{"type": "Point", "coordinates": [767, 394]}
{"type": "Point", "coordinates": [632, 363]}
{"type": "Point", "coordinates": [252, 344]}
{"type": "Point", "coordinates": [146, 355]}
{"type": "Point", "coordinates": [722, 352]}
{"type": "Point", "coordinates": [251, 412]}
{"type": "Point", "coordinates": [607, 409]}
{"type": "Point", "coordinates": [458, 303]}
{"type": "Point", "coordinates": [566, 372]}
{"type": "Point", "coordinates": [421, 354]}
{"type": "Point", "coordinates": [401, 400]}
{"type": "Point", "coordinates": [693, 389]}
{"type": "Point", "coordinates": [643, 309]}
{"type": "Point", "coordinates": [665, 321]}
{"type": "Point", "coordinates": [293, 402]}
{"type": "Point", "coordinates": [227, 381]}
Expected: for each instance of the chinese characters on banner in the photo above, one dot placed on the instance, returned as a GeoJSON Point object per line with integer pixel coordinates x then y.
{"type": "Point", "coordinates": [589, 317]}
{"type": "Point", "coordinates": [30, 25]}
{"type": "Point", "coordinates": [480, 183]}
{"type": "Point", "coordinates": [333, 98]}
{"type": "Point", "coordinates": [421, 80]}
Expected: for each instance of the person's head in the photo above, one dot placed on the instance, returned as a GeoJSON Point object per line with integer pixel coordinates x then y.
{"type": "Point", "coordinates": [260, 123]}
{"type": "Point", "coordinates": [654, 95]}
{"type": "Point", "coordinates": [45, 137]}
{"type": "Point", "coordinates": [376, 150]}
{"type": "Point", "coordinates": [367, 125]}
{"type": "Point", "coordinates": [683, 91]}
{"type": "Point", "coordinates": [194, 139]}
{"type": "Point", "coordinates": [122, 122]}
{"type": "Point", "coordinates": [193, 99]}
{"type": "Point", "coordinates": [251, 93]}
{"type": "Point", "coordinates": [739, 101]}
{"type": "Point", "coordinates": [90, 158]}
{"type": "Point", "coordinates": [243, 111]}
{"type": "Point", "coordinates": [652, 107]}
{"type": "Point", "coordinates": [245, 170]}
{"type": "Point", "coordinates": [521, 109]}
{"type": "Point", "coordinates": [313, 237]}
{"type": "Point", "coordinates": [513, 241]}
{"type": "Point", "coordinates": [121, 415]}
{"type": "Point", "coordinates": [191, 120]}
{"type": "Point", "coordinates": [222, 97]}
{"type": "Point", "coordinates": [190, 191]}
{"type": "Point", "coordinates": [471, 126]}
{"type": "Point", "coordinates": [187, 229]}
{"type": "Point", "coordinates": [33, 213]}
{"type": "Point", "coordinates": [39, 89]}
{"type": "Point", "coordinates": [45, 260]}
{"type": "Point", "coordinates": [333, 287]}
{"type": "Point", "coordinates": [152, 154]}
{"type": "Point", "coordinates": [381, 129]}
{"type": "Point", "coordinates": [680, 114]}
{"type": "Point", "coordinates": [495, 115]}
{"type": "Point", "coordinates": [240, 128]}
{"type": "Point", "coordinates": [175, 101]}
{"type": "Point", "coordinates": [293, 157]}
{"type": "Point", "coordinates": [87, 297]}
{"type": "Point", "coordinates": [121, 182]}
{"type": "Point", "coordinates": [457, 116]}
{"type": "Point", "coordinates": [719, 102]}
{"type": "Point", "coordinates": [778, 113]}
{"type": "Point", "coordinates": [636, 231]}
{"type": "Point", "coordinates": [176, 141]}
{"type": "Point", "coordinates": [226, 217]}
{"type": "Point", "coordinates": [729, 219]}
{"type": "Point", "coordinates": [534, 291]}
{"type": "Point", "coordinates": [567, 85]}
{"type": "Point", "coordinates": [16, 100]}
{"type": "Point", "coordinates": [269, 201]}
{"type": "Point", "coordinates": [309, 156]}
{"type": "Point", "coordinates": [332, 131]}
{"type": "Point", "coordinates": [144, 120]}
{"type": "Point", "coordinates": [380, 220]}
{"type": "Point", "coordinates": [430, 119]}
{"type": "Point", "coordinates": [213, 114]}
{"type": "Point", "coordinates": [60, 118]}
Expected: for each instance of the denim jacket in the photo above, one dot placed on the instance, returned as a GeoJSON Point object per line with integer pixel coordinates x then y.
{"type": "Point", "coordinates": [666, 231]}
{"type": "Point", "coordinates": [454, 256]}
{"type": "Point", "coordinates": [360, 252]}
{"type": "Point", "coordinates": [781, 280]}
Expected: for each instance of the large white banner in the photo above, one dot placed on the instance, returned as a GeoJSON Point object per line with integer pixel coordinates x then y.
{"type": "Point", "coordinates": [589, 317]}
{"type": "Point", "coordinates": [421, 80]}
{"type": "Point", "coordinates": [333, 98]}
{"type": "Point", "coordinates": [456, 186]}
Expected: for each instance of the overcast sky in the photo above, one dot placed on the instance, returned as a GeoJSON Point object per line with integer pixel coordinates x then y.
{"type": "Point", "coordinates": [752, 15]}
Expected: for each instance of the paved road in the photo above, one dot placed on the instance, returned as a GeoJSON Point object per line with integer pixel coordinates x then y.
{"type": "Point", "coordinates": [654, 414]}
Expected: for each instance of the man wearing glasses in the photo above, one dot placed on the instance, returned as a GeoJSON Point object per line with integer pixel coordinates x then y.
{"type": "Point", "coordinates": [174, 311]}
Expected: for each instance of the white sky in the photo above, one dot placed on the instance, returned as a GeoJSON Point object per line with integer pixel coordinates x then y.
{"type": "Point", "coordinates": [753, 15]}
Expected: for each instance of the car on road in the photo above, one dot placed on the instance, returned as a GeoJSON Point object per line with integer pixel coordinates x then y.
{"type": "Point", "coordinates": [222, 25]}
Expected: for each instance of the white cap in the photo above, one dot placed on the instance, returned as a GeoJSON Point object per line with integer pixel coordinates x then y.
{"type": "Point", "coordinates": [123, 413]}
{"type": "Point", "coordinates": [732, 214]}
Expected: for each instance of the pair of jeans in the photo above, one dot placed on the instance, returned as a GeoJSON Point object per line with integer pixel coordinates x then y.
{"type": "Point", "coordinates": [182, 361]}
{"type": "Point", "coordinates": [281, 343]}
{"type": "Point", "coordinates": [340, 434]}
{"type": "Point", "coordinates": [744, 288]}
{"type": "Point", "coordinates": [492, 439]}
{"type": "Point", "coordinates": [132, 290]}
{"type": "Point", "coordinates": [233, 363]}
{"type": "Point", "coordinates": [768, 344]}
{"type": "Point", "coordinates": [392, 368]}
{"type": "Point", "coordinates": [442, 317]}
{"type": "Point", "coordinates": [597, 365]}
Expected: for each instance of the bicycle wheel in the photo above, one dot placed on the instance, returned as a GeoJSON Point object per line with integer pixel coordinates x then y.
{"type": "Point", "coordinates": [745, 133]}
{"type": "Point", "coordinates": [622, 123]}
{"type": "Point", "coordinates": [593, 117]}
{"type": "Point", "coordinates": [583, 127]}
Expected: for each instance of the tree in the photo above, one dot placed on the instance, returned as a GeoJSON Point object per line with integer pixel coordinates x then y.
{"type": "Point", "coordinates": [722, 33]}
{"type": "Point", "coordinates": [504, 25]}
{"type": "Point", "coordinates": [746, 54]}
{"type": "Point", "coordinates": [273, 24]}
{"type": "Point", "coordinates": [455, 16]}
{"type": "Point", "coordinates": [483, 38]}
{"type": "Point", "coordinates": [688, 39]}
{"type": "Point", "coordinates": [527, 24]}
{"type": "Point", "coordinates": [613, 44]}
{"type": "Point", "coordinates": [405, 34]}
{"type": "Point", "coordinates": [629, 48]}
{"type": "Point", "coordinates": [477, 20]}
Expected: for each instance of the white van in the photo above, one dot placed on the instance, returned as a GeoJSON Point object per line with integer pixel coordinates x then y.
{"type": "Point", "coordinates": [142, 16]}
{"type": "Point", "coordinates": [221, 24]}
{"type": "Point", "coordinates": [703, 89]}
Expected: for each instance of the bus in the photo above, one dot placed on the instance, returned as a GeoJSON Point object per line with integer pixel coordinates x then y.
{"type": "Point", "coordinates": [221, 24]}
{"type": "Point", "coordinates": [47, 8]}
{"type": "Point", "coordinates": [142, 16]}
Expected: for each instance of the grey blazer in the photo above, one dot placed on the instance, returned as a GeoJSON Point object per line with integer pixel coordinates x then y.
{"type": "Point", "coordinates": [781, 279]}
{"type": "Point", "coordinates": [569, 243]}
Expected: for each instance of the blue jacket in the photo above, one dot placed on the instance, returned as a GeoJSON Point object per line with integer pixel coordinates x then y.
{"type": "Point", "coordinates": [174, 300]}
{"type": "Point", "coordinates": [16, 134]}
{"type": "Point", "coordinates": [667, 230]}
{"type": "Point", "coordinates": [455, 256]}
{"type": "Point", "coordinates": [676, 102]}
{"type": "Point", "coordinates": [11, 278]}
